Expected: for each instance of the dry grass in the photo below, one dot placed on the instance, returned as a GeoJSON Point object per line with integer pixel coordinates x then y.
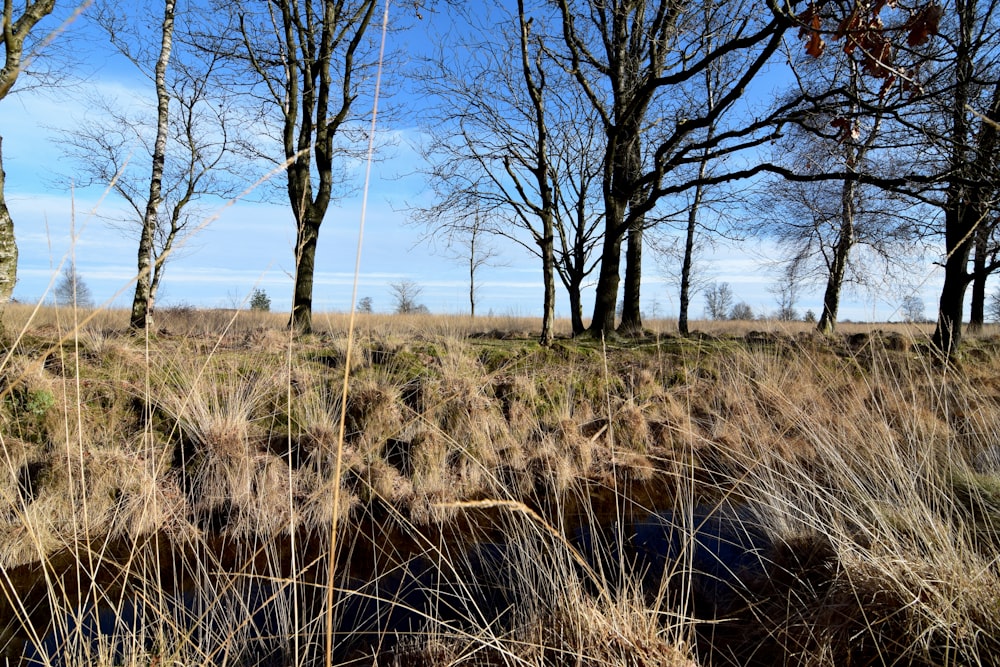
{"type": "Point", "coordinates": [192, 475]}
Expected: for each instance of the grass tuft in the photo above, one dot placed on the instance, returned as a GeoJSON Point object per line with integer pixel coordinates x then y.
{"type": "Point", "coordinates": [498, 502]}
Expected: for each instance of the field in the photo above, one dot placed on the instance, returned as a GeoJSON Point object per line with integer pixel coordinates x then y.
{"type": "Point", "coordinates": [754, 494]}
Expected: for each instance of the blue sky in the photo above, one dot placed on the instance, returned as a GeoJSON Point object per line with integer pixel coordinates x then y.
{"type": "Point", "coordinates": [249, 244]}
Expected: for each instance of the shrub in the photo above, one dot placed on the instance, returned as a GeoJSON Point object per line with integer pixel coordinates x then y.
{"type": "Point", "coordinates": [741, 311]}
{"type": "Point", "coordinates": [259, 300]}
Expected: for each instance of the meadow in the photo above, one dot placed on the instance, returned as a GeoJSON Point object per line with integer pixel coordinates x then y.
{"type": "Point", "coordinates": [754, 494]}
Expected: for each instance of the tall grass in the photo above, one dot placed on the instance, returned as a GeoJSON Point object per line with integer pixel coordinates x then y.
{"type": "Point", "coordinates": [180, 491]}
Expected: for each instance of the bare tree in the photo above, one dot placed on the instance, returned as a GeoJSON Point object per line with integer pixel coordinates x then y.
{"type": "Point", "coordinates": [469, 244]}
{"type": "Point", "coordinates": [405, 294]}
{"type": "Point", "coordinates": [163, 166]}
{"type": "Point", "coordinates": [786, 290]}
{"type": "Point", "coordinates": [635, 61]}
{"type": "Point", "coordinates": [993, 308]}
{"type": "Point", "coordinates": [302, 63]}
{"type": "Point", "coordinates": [141, 299]}
{"type": "Point", "coordinates": [19, 21]}
{"type": "Point", "coordinates": [951, 110]}
{"type": "Point", "coordinates": [578, 192]}
{"type": "Point", "coordinates": [971, 105]}
{"type": "Point", "coordinates": [509, 140]}
{"type": "Point", "coordinates": [714, 77]}
{"type": "Point", "coordinates": [839, 233]}
{"type": "Point", "coordinates": [70, 290]}
{"type": "Point", "coordinates": [718, 301]}
{"type": "Point", "coordinates": [843, 231]}
{"type": "Point", "coordinates": [912, 309]}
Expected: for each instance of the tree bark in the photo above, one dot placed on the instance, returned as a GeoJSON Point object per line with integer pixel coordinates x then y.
{"type": "Point", "coordinates": [959, 220]}
{"type": "Point", "coordinates": [958, 242]}
{"type": "Point", "coordinates": [472, 279]}
{"type": "Point", "coordinates": [692, 225]}
{"type": "Point", "coordinates": [305, 267]}
{"type": "Point", "coordinates": [549, 276]}
{"type": "Point", "coordinates": [977, 304]}
{"type": "Point", "coordinates": [686, 263]}
{"type": "Point", "coordinates": [8, 245]}
{"type": "Point", "coordinates": [631, 308]}
{"type": "Point", "coordinates": [142, 300]}
{"type": "Point", "coordinates": [623, 163]}
{"type": "Point", "coordinates": [602, 323]}
{"type": "Point", "coordinates": [838, 267]}
{"type": "Point", "coordinates": [576, 308]}
{"type": "Point", "coordinates": [15, 31]}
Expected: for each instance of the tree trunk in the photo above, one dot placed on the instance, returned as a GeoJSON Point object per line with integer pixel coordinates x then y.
{"type": "Point", "coordinates": [831, 296]}
{"type": "Point", "coordinates": [982, 204]}
{"type": "Point", "coordinates": [141, 298]}
{"type": "Point", "coordinates": [688, 261]}
{"type": "Point", "coordinates": [977, 305]}
{"type": "Point", "coordinates": [948, 333]}
{"type": "Point", "coordinates": [603, 322]}
{"type": "Point", "coordinates": [578, 274]}
{"type": "Point", "coordinates": [15, 31]}
{"type": "Point", "coordinates": [576, 309]}
{"type": "Point", "coordinates": [631, 314]}
{"type": "Point", "coordinates": [305, 265]}
{"type": "Point", "coordinates": [841, 254]}
{"type": "Point", "coordinates": [142, 301]}
{"type": "Point", "coordinates": [571, 267]}
{"type": "Point", "coordinates": [472, 282]}
{"type": "Point", "coordinates": [621, 165]}
{"type": "Point", "coordinates": [8, 246]}
{"type": "Point", "coordinates": [472, 268]}
{"type": "Point", "coordinates": [627, 173]}
{"type": "Point", "coordinates": [958, 242]}
{"type": "Point", "coordinates": [549, 277]}
{"type": "Point", "coordinates": [959, 226]}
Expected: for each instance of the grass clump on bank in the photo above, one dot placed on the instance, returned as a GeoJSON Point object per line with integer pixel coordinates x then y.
{"type": "Point", "coordinates": [198, 467]}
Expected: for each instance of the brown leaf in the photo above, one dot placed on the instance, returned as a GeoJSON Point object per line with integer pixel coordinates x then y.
{"type": "Point", "coordinates": [846, 128]}
{"type": "Point", "coordinates": [811, 24]}
{"type": "Point", "coordinates": [887, 85]}
{"type": "Point", "coordinates": [923, 25]}
{"type": "Point", "coordinates": [849, 24]}
{"type": "Point", "coordinates": [815, 45]}
{"type": "Point", "coordinates": [806, 19]}
{"type": "Point", "coordinates": [878, 56]}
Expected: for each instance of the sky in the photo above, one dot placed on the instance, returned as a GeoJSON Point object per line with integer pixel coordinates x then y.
{"type": "Point", "coordinates": [248, 244]}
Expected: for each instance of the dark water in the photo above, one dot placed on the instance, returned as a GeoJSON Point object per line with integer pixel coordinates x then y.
{"type": "Point", "coordinates": [701, 561]}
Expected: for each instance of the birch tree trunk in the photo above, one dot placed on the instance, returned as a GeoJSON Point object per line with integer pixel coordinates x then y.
{"type": "Point", "coordinates": [15, 31]}
{"type": "Point", "coordinates": [142, 301]}
{"type": "Point", "coordinates": [841, 255]}
{"type": "Point", "coordinates": [8, 246]}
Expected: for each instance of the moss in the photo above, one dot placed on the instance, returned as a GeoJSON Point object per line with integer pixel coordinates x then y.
{"type": "Point", "coordinates": [503, 356]}
{"type": "Point", "coordinates": [977, 497]}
